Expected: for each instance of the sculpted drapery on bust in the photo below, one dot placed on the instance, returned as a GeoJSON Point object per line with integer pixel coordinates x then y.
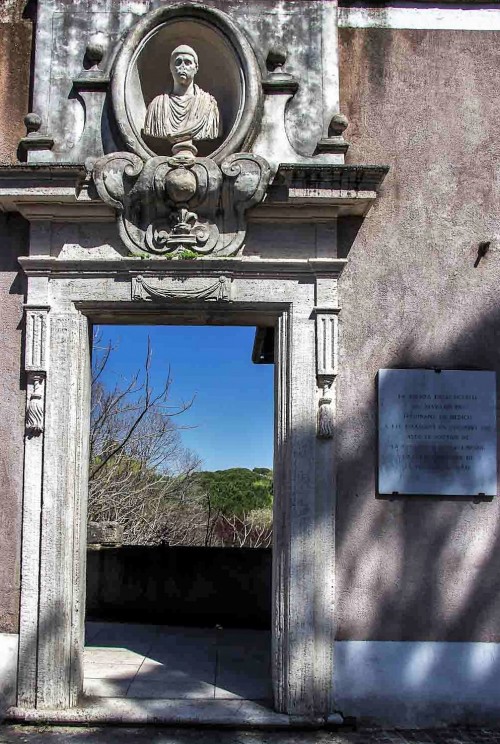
{"type": "Point", "coordinates": [188, 112]}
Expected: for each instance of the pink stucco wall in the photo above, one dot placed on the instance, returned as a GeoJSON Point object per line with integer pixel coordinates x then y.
{"type": "Point", "coordinates": [424, 103]}
{"type": "Point", "coordinates": [15, 51]}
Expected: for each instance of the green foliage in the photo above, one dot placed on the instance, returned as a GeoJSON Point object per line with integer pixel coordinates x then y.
{"type": "Point", "coordinates": [263, 471]}
{"type": "Point", "coordinates": [237, 491]}
{"type": "Point", "coordinates": [186, 253]}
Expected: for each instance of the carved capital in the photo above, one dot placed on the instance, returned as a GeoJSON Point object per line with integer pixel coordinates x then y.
{"type": "Point", "coordinates": [181, 206]}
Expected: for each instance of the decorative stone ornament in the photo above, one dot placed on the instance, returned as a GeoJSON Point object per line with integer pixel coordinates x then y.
{"type": "Point", "coordinates": [187, 112]}
{"type": "Point", "coordinates": [171, 202]}
{"type": "Point", "coordinates": [325, 411]}
{"type": "Point", "coordinates": [218, 291]}
{"type": "Point", "coordinates": [35, 140]}
{"type": "Point", "coordinates": [326, 368]}
{"type": "Point", "coordinates": [35, 411]}
{"type": "Point", "coordinates": [182, 203]}
{"type": "Point", "coordinates": [224, 64]}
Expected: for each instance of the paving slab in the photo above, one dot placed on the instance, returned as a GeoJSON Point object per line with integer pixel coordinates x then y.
{"type": "Point", "coordinates": [130, 660]}
{"type": "Point", "coordinates": [16, 734]}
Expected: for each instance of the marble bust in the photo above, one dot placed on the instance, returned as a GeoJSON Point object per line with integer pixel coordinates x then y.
{"type": "Point", "coordinates": [188, 112]}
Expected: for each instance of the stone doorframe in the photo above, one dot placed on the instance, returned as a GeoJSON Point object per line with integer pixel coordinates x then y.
{"type": "Point", "coordinates": [296, 297]}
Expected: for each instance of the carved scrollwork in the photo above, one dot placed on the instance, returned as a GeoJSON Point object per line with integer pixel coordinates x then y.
{"type": "Point", "coordinates": [179, 203]}
{"type": "Point", "coordinates": [245, 183]}
{"type": "Point", "coordinates": [114, 176]}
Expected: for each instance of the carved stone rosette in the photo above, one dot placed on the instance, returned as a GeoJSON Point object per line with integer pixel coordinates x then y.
{"type": "Point", "coordinates": [182, 206]}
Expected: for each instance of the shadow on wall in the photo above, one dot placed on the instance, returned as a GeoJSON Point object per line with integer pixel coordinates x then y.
{"type": "Point", "coordinates": [11, 662]}
{"type": "Point", "coordinates": [412, 573]}
{"type": "Point", "coordinates": [415, 571]}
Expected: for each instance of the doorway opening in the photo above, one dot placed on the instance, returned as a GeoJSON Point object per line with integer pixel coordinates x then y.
{"type": "Point", "coordinates": [179, 558]}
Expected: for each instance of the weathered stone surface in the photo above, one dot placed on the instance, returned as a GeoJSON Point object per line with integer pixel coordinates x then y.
{"type": "Point", "coordinates": [296, 27]}
{"type": "Point", "coordinates": [437, 432]}
{"type": "Point", "coordinates": [8, 670]}
{"type": "Point", "coordinates": [168, 205]}
{"type": "Point", "coordinates": [104, 533]}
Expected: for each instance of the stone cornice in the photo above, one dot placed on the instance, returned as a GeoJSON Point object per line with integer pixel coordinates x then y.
{"type": "Point", "coordinates": [49, 192]}
{"type": "Point", "coordinates": [339, 177]}
{"type": "Point", "coordinates": [232, 267]}
{"type": "Point", "coordinates": [44, 171]}
{"type": "Point", "coordinates": [299, 192]}
{"type": "Point", "coordinates": [327, 190]}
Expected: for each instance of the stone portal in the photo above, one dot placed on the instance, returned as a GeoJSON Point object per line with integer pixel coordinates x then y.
{"type": "Point", "coordinates": [234, 221]}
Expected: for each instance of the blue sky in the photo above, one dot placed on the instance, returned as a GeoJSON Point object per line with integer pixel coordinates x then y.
{"type": "Point", "coordinates": [231, 418]}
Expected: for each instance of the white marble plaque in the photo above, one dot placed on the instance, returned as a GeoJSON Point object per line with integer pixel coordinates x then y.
{"type": "Point", "coordinates": [437, 432]}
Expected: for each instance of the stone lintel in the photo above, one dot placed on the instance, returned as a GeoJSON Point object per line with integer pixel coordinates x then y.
{"type": "Point", "coordinates": [37, 172]}
{"type": "Point", "coordinates": [62, 211]}
{"type": "Point", "coordinates": [314, 208]}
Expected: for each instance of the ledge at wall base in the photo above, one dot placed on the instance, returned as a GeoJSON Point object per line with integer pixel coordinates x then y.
{"type": "Point", "coordinates": [222, 713]}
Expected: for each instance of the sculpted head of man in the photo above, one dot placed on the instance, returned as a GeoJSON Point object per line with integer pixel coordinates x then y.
{"type": "Point", "coordinates": [186, 112]}
{"type": "Point", "coordinates": [183, 65]}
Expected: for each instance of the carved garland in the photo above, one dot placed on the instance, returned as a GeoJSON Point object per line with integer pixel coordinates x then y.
{"type": "Point", "coordinates": [219, 290]}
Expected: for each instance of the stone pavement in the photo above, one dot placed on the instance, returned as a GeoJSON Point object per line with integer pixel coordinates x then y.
{"type": "Point", "coordinates": [10, 734]}
{"type": "Point", "coordinates": [155, 735]}
{"type": "Point", "coordinates": [126, 660]}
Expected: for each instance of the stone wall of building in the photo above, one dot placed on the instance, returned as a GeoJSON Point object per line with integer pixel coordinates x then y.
{"type": "Point", "coordinates": [425, 103]}
{"type": "Point", "coordinates": [13, 241]}
{"type": "Point", "coordinates": [16, 31]}
{"type": "Point", "coordinates": [15, 54]}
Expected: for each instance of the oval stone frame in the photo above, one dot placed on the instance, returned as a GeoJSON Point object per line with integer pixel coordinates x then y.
{"type": "Point", "coordinates": [248, 109]}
